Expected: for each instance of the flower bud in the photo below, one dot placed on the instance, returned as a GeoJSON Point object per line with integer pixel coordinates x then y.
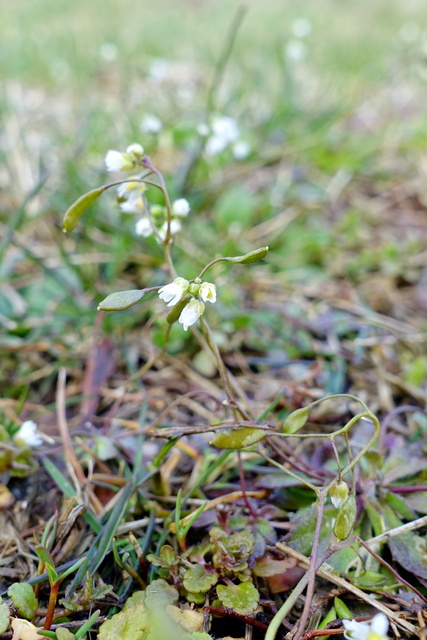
{"type": "Point", "coordinates": [345, 519]}
{"type": "Point", "coordinates": [135, 150]}
{"type": "Point", "coordinates": [339, 494]}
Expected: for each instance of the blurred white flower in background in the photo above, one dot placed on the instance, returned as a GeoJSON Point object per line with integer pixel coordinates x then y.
{"type": "Point", "coordinates": [175, 227]}
{"type": "Point", "coordinates": [295, 50]}
{"type": "Point", "coordinates": [376, 629]}
{"type": "Point", "coordinates": [241, 149]}
{"type": "Point", "coordinates": [108, 51]}
{"type": "Point", "coordinates": [27, 434]}
{"type": "Point", "coordinates": [144, 228]}
{"type": "Point", "coordinates": [181, 207]}
{"type": "Point", "coordinates": [150, 123]}
{"type": "Point", "coordinates": [224, 131]}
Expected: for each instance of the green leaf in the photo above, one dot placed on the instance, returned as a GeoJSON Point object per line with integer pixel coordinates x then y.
{"type": "Point", "coordinates": [77, 209]}
{"type": "Point", "coordinates": [296, 420]}
{"type": "Point", "coordinates": [64, 634]}
{"type": "Point", "coordinates": [46, 558]}
{"type": "Point", "coordinates": [238, 438]}
{"type": "Point", "coordinates": [341, 608]}
{"type": "Point", "coordinates": [4, 617]}
{"type": "Point", "coordinates": [23, 598]}
{"type": "Point", "coordinates": [253, 256]}
{"type": "Point", "coordinates": [242, 598]}
{"type": "Point", "coordinates": [121, 300]}
{"type": "Point", "coordinates": [129, 624]}
{"type": "Point", "coordinates": [158, 594]}
{"type": "Point", "coordinates": [198, 579]}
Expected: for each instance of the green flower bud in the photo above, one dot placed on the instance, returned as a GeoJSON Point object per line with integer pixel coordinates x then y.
{"type": "Point", "coordinates": [339, 494]}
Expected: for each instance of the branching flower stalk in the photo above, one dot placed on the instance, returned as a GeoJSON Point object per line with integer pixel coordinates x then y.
{"type": "Point", "coordinates": [308, 579]}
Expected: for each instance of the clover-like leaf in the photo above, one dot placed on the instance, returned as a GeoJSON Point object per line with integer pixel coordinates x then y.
{"type": "Point", "coordinates": [243, 598]}
{"type": "Point", "coordinates": [159, 594]}
{"type": "Point", "coordinates": [198, 579]}
{"type": "Point", "coordinates": [238, 438]}
{"type": "Point", "coordinates": [128, 624]}
{"type": "Point", "coordinates": [4, 617]}
{"type": "Point", "coordinates": [296, 420]}
{"type": "Point", "coordinates": [23, 598]}
{"type": "Point", "coordinates": [121, 300]}
{"type": "Point", "coordinates": [167, 557]}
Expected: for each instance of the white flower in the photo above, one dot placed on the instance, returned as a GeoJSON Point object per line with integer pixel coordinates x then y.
{"type": "Point", "coordinates": [144, 228]}
{"type": "Point", "coordinates": [150, 124]}
{"type": "Point", "coordinates": [173, 292]}
{"type": "Point", "coordinates": [131, 189]}
{"type": "Point", "coordinates": [27, 434]}
{"type": "Point", "coordinates": [207, 292]}
{"type": "Point", "coordinates": [135, 150]}
{"type": "Point", "coordinates": [117, 161]}
{"type": "Point", "coordinates": [175, 227]}
{"type": "Point", "coordinates": [241, 149]}
{"type": "Point", "coordinates": [301, 28]}
{"type": "Point", "coordinates": [191, 313]}
{"type": "Point", "coordinates": [376, 629]}
{"type": "Point", "coordinates": [224, 133]}
{"type": "Point", "coordinates": [181, 207]}
{"type": "Point", "coordinates": [133, 205]}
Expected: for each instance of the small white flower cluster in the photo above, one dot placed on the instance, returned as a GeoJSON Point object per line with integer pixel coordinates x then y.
{"type": "Point", "coordinates": [221, 134]}
{"type": "Point", "coordinates": [146, 225]}
{"type": "Point", "coordinates": [118, 161]}
{"type": "Point", "coordinates": [376, 629]}
{"type": "Point", "coordinates": [27, 435]}
{"type": "Point", "coordinates": [130, 196]}
{"type": "Point", "coordinates": [200, 293]}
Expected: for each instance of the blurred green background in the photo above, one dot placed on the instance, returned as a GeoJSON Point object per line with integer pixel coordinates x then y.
{"type": "Point", "coordinates": [329, 97]}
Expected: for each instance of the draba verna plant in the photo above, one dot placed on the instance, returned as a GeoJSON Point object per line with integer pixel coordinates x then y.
{"type": "Point", "coordinates": [186, 301]}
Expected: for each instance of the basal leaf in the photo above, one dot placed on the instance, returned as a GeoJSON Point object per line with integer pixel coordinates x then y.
{"type": "Point", "coordinates": [23, 598]}
{"type": "Point", "coordinates": [198, 579]}
{"type": "Point", "coordinates": [243, 598]}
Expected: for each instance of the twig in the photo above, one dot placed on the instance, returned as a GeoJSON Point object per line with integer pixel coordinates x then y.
{"type": "Point", "coordinates": [327, 574]}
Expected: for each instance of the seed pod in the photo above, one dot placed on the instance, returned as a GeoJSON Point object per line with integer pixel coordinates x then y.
{"type": "Point", "coordinates": [77, 209]}
{"type": "Point", "coordinates": [175, 312]}
{"type": "Point", "coordinates": [345, 519]}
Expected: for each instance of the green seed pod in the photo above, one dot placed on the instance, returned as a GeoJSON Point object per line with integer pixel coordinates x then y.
{"type": "Point", "coordinates": [253, 256]}
{"type": "Point", "coordinates": [175, 312]}
{"type": "Point", "coordinates": [345, 519]}
{"type": "Point", "coordinates": [77, 209]}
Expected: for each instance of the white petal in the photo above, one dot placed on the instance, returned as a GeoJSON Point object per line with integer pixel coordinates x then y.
{"type": "Point", "coordinates": [191, 313]}
{"type": "Point", "coordinates": [356, 630]}
{"type": "Point", "coordinates": [150, 124]}
{"type": "Point", "coordinates": [173, 292]}
{"type": "Point", "coordinates": [133, 205]}
{"type": "Point", "coordinates": [379, 624]}
{"type": "Point", "coordinates": [117, 161]}
{"type": "Point", "coordinates": [207, 292]}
